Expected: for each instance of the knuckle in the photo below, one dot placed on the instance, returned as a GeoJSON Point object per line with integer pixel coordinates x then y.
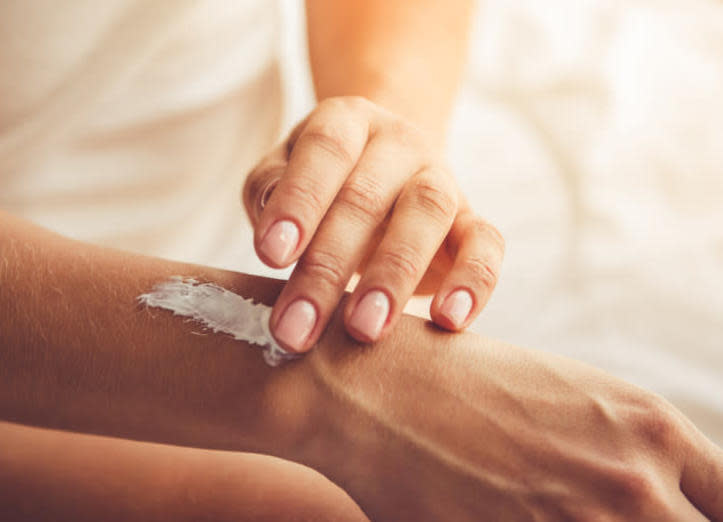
{"type": "Point", "coordinates": [332, 103]}
{"type": "Point", "coordinates": [323, 267]}
{"type": "Point", "coordinates": [484, 229]}
{"type": "Point", "coordinates": [305, 192]}
{"type": "Point", "coordinates": [355, 103]}
{"type": "Point", "coordinates": [481, 272]}
{"type": "Point", "coordinates": [363, 198]}
{"type": "Point", "coordinates": [434, 200]}
{"type": "Point", "coordinates": [634, 491]}
{"type": "Point", "coordinates": [329, 139]}
{"type": "Point", "coordinates": [656, 424]}
{"type": "Point", "coordinates": [349, 108]}
{"type": "Point", "coordinates": [402, 263]}
{"type": "Point", "coordinates": [406, 134]}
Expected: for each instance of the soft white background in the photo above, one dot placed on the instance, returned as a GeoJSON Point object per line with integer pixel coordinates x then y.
{"type": "Point", "coordinates": [591, 133]}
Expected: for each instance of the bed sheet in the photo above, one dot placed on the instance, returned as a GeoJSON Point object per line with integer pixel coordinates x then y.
{"type": "Point", "coordinates": [591, 134]}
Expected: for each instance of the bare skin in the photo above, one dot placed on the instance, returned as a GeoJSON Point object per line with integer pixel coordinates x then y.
{"type": "Point", "coordinates": [421, 426]}
{"type": "Point", "coordinates": [58, 475]}
{"type": "Point", "coordinates": [351, 187]}
{"type": "Point", "coordinates": [406, 56]}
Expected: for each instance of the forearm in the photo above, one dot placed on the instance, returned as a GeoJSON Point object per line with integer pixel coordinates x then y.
{"type": "Point", "coordinates": [58, 475]}
{"type": "Point", "coordinates": [422, 425]}
{"type": "Point", "coordinates": [407, 56]}
{"type": "Point", "coordinates": [79, 352]}
{"type": "Point", "coordinates": [426, 425]}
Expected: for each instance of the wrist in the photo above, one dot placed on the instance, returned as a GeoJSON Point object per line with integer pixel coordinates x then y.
{"type": "Point", "coordinates": [290, 410]}
{"type": "Point", "coordinates": [360, 395]}
{"type": "Point", "coordinates": [386, 92]}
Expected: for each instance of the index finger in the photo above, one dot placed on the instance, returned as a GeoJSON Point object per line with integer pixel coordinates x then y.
{"type": "Point", "coordinates": [702, 476]}
{"type": "Point", "coordinates": [323, 155]}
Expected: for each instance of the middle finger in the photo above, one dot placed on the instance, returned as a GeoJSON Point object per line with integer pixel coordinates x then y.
{"type": "Point", "coordinates": [421, 220]}
{"type": "Point", "coordinates": [343, 237]}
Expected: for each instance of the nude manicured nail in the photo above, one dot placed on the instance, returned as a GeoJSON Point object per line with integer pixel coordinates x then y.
{"type": "Point", "coordinates": [457, 306]}
{"type": "Point", "coordinates": [370, 314]}
{"type": "Point", "coordinates": [296, 324]}
{"type": "Point", "coordinates": [280, 241]}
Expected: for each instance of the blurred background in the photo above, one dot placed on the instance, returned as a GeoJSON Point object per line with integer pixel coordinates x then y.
{"type": "Point", "coordinates": [591, 134]}
{"type": "Point", "coordinates": [588, 131]}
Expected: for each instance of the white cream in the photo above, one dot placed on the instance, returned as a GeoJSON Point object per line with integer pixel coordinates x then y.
{"type": "Point", "coordinates": [219, 310]}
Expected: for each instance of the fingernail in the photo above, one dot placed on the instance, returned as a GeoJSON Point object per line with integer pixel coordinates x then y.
{"type": "Point", "coordinates": [280, 241]}
{"type": "Point", "coordinates": [457, 306]}
{"type": "Point", "coordinates": [370, 314]}
{"type": "Point", "coordinates": [296, 324]}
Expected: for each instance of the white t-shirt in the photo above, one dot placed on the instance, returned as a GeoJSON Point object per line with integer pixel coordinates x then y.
{"type": "Point", "coordinates": [132, 123]}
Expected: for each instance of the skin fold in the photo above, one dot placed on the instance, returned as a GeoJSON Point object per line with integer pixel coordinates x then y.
{"type": "Point", "coordinates": [420, 426]}
{"type": "Point", "coordinates": [58, 475]}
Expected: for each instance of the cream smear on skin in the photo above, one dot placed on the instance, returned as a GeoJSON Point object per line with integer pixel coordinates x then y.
{"type": "Point", "coordinates": [219, 310]}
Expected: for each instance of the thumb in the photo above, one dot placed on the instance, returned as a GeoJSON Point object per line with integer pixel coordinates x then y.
{"type": "Point", "coordinates": [262, 180]}
{"type": "Point", "coordinates": [702, 477]}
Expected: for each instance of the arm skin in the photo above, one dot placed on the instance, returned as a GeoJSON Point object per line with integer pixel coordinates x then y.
{"type": "Point", "coordinates": [406, 55]}
{"type": "Point", "coordinates": [55, 475]}
{"type": "Point", "coordinates": [79, 352]}
{"type": "Point", "coordinates": [421, 426]}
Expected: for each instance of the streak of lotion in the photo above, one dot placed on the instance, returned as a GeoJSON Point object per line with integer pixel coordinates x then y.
{"type": "Point", "coordinates": [219, 310]}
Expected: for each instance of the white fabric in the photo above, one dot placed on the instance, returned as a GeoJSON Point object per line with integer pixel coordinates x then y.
{"type": "Point", "coordinates": [590, 133]}
{"type": "Point", "coordinates": [131, 122]}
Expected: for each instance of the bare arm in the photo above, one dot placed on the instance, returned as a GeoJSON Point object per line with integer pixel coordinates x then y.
{"type": "Point", "coordinates": [56, 475]}
{"type": "Point", "coordinates": [406, 55]}
{"type": "Point", "coordinates": [420, 426]}
{"type": "Point", "coordinates": [79, 352]}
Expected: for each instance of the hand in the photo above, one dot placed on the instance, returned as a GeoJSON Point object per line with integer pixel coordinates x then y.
{"type": "Point", "coordinates": [356, 188]}
{"type": "Point", "coordinates": [426, 427]}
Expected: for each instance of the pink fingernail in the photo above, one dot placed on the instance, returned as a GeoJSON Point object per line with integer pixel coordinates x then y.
{"type": "Point", "coordinates": [457, 306]}
{"type": "Point", "coordinates": [370, 314]}
{"type": "Point", "coordinates": [296, 324]}
{"type": "Point", "coordinates": [280, 241]}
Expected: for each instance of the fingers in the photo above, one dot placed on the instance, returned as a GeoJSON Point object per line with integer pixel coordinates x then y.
{"type": "Point", "coordinates": [323, 155]}
{"type": "Point", "coordinates": [463, 293]}
{"type": "Point", "coordinates": [421, 219]}
{"type": "Point", "coordinates": [310, 197]}
{"type": "Point", "coordinates": [702, 477]}
{"type": "Point", "coordinates": [319, 279]}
